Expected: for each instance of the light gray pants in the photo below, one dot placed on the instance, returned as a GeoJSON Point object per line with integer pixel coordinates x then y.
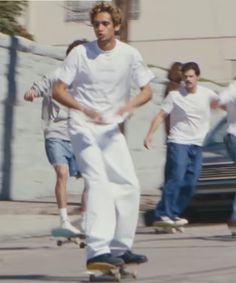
{"type": "Point", "coordinates": [113, 191]}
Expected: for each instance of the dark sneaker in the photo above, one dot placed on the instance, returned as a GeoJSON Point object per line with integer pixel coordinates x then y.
{"type": "Point", "coordinates": [129, 257]}
{"type": "Point", "coordinates": [106, 258]}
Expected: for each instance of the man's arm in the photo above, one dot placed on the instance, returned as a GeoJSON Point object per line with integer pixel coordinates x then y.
{"type": "Point", "coordinates": [40, 88]}
{"type": "Point", "coordinates": [60, 94]}
{"type": "Point", "coordinates": [160, 117]}
{"type": "Point", "coordinates": [143, 97]}
{"type": "Point", "coordinates": [30, 95]}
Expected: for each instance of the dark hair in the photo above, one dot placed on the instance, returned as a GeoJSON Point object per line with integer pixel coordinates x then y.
{"type": "Point", "coordinates": [191, 66]}
{"type": "Point", "coordinates": [101, 7]}
{"type": "Point", "coordinates": [74, 44]}
{"type": "Point", "coordinates": [175, 72]}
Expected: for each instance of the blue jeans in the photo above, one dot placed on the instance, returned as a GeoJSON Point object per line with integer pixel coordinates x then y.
{"type": "Point", "coordinates": [230, 143]}
{"type": "Point", "coordinates": [182, 169]}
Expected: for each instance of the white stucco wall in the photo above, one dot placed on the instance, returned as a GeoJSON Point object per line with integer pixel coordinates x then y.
{"type": "Point", "coordinates": [25, 172]}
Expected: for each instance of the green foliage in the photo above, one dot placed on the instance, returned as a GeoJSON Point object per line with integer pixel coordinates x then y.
{"type": "Point", "coordinates": [9, 11]}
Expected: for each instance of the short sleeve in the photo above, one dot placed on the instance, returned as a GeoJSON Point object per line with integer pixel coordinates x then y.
{"type": "Point", "coordinates": [168, 103]}
{"type": "Point", "coordinates": [67, 72]}
{"type": "Point", "coordinates": [228, 94]}
{"type": "Point", "coordinates": [141, 73]}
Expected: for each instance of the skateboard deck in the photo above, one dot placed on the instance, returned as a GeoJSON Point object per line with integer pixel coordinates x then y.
{"type": "Point", "coordinates": [65, 236]}
{"type": "Point", "coordinates": [165, 228]}
{"type": "Point", "coordinates": [100, 272]}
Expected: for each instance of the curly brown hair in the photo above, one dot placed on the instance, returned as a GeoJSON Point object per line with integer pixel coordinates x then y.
{"type": "Point", "coordinates": [101, 7]}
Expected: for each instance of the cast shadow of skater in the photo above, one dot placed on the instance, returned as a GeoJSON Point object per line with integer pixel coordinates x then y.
{"type": "Point", "coordinates": [8, 120]}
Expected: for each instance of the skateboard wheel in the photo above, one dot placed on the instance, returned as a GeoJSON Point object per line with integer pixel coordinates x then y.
{"type": "Point", "coordinates": [172, 230]}
{"type": "Point", "coordinates": [118, 277]}
{"type": "Point", "coordinates": [135, 274]}
{"type": "Point", "coordinates": [82, 245]}
{"type": "Point", "coordinates": [59, 243]}
{"type": "Point", "coordinates": [76, 241]}
{"type": "Point", "coordinates": [180, 229]}
{"type": "Point", "coordinates": [92, 278]}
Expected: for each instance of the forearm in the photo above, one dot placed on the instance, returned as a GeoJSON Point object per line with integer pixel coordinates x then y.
{"type": "Point", "coordinates": [156, 122]}
{"type": "Point", "coordinates": [153, 127]}
{"type": "Point", "coordinates": [143, 97]}
{"type": "Point", "coordinates": [43, 87]}
{"type": "Point", "coordinates": [60, 94]}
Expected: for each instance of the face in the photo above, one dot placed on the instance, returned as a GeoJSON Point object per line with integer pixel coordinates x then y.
{"type": "Point", "coordinates": [175, 74]}
{"type": "Point", "coordinates": [104, 28]}
{"type": "Point", "coordinates": [190, 79]}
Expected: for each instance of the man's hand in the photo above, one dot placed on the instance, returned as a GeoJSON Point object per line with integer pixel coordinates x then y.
{"type": "Point", "coordinates": [125, 111]}
{"type": "Point", "coordinates": [215, 105]}
{"type": "Point", "coordinates": [93, 115]}
{"type": "Point", "coordinates": [30, 95]}
{"type": "Point", "coordinates": [148, 142]}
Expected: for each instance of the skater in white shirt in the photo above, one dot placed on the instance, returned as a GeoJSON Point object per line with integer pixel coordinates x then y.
{"type": "Point", "coordinates": [100, 73]}
{"type": "Point", "coordinates": [227, 100]}
{"type": "Point", "coordinates": [189, 110]}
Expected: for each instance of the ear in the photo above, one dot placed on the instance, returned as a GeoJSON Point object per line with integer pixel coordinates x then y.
{"type": "Point", "coordinates": [117, 28]}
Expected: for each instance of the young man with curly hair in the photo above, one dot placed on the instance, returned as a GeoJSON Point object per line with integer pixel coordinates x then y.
{"type": "Point", "coordinates": [100, 73]}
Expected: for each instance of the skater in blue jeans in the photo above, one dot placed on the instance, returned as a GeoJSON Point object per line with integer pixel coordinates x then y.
{"type": "Point", "coordinates": [189, 110]}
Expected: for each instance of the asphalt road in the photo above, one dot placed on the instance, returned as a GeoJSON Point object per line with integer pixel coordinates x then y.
{"type": "Point", "coordinates": [200, 254]}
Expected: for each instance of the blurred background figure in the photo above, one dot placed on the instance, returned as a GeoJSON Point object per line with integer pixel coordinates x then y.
{"type": "Point", "coordinates": [227, 101]}
{"type": "Point", "coordinates": [175, 78]}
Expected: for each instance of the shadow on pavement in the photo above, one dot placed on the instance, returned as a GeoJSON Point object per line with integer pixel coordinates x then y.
{"type": "Point", "coordinates": [41, 277]}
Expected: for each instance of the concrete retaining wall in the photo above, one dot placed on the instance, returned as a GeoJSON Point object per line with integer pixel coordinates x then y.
{"type": "Point", "coordinates": [25, 172]}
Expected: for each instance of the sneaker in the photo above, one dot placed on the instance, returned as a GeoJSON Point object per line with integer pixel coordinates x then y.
{"type": "Point", "coordinates": [68, 226]}
{"type": "Point", "coordinates": [180, 221]}
{"type": "Point", "coordinates": [105, 258]}
{"type": "Point", "coordinates": [129, 257]}
{"type": "Point", "coordinates": [164, 221]}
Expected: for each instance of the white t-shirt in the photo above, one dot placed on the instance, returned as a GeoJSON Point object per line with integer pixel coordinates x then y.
{"type": "Point", "coordinates": [228, 97]}
{"type": "Point", "coordinates": [101, 79]}
{"type": "Point", "coordinates": [189, 114]}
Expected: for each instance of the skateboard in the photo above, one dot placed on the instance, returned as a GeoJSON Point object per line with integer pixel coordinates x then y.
{"type": "Point", "coordinates": [68, 237]}
{"type": "Point", "coordinates": [164, 228]}
{"type": "Point", "coordinates": [100, 271]}
{"type": "Point", "coordinates": [232, 228]}
{"type": "Point", "coordinates": [160, 227]}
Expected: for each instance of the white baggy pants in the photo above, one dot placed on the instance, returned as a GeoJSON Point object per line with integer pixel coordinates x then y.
{"type": "Point", "coordinates": [113, 191]}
